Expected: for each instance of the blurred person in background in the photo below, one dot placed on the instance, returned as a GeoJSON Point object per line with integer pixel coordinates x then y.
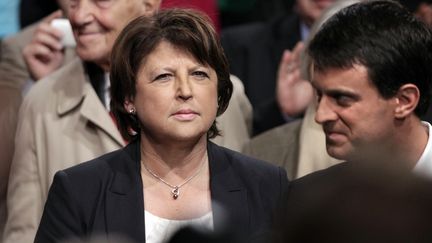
{"type": "Point", "coordinates": [210, 7]}
{"type": "Point", "coordinates": [9, 104]}
{"type": "Point", "coordinates": [39, 40]}
{"type": "Point", "coordinates": [14, 80]}
{"type": "Point", "coordinates": [236, 12]}
{"type": "Point", "coordinates": [169, 79]}
{"type": "Point", "coordinates": [63, 119]}
{"type": "Point", "coordinates": [422, 9]}
{"type": "Point", "coordinates": [266, 57]}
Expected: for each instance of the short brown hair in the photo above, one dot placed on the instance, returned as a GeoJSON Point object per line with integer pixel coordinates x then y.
{"type": "Point", "coordinates": [187, 29]}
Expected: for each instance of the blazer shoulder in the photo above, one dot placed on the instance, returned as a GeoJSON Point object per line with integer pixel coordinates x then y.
{"type": "Point", "coordinates": [321, 178]}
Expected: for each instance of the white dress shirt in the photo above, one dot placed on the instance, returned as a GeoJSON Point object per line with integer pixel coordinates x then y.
{"type": "Point", "coordinates": [424, 164]}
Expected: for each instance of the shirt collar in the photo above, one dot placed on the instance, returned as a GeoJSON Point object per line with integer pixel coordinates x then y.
{"type": "Point", "coordinates": [424, 164]}
{"type": "Point", "coordinates": [304, 31]}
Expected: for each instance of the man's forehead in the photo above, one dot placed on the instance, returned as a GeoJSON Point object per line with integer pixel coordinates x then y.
{"type": "Point", "coordinates": [344, 78]}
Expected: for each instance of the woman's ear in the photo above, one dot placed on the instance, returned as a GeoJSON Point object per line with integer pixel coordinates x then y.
{"type": "Point", "coordinates": [407, 99]}
{"type": "Point", "coordinates": [129, 106]}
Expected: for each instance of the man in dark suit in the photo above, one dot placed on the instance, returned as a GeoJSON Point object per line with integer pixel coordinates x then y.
{"type": "Point", "coordinates": [371, 72]}
{"type": "Point", "coordinates": [254, 52]}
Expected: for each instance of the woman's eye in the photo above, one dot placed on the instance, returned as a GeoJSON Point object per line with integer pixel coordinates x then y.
{"type": "Point", "coordinates": [163, 77]}
{"type": "Point", "coordinates": [200, 74]}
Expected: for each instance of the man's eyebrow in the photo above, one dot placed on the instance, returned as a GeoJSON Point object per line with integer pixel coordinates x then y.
{"type": "Point", "coordinates": [334, 91]}
{"type": "Point", "coordinates": [341, 92]}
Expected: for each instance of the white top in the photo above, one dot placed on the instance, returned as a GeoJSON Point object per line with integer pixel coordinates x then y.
{"type": "Point", "coordinates": [160, 230]}
{"type": "Point", "coordinates": [424, 165]}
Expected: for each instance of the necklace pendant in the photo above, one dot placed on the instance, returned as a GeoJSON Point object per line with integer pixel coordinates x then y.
{"type": "Point", "coordinates": [175, 192]}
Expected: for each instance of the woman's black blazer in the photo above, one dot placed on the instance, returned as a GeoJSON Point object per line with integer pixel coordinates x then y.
{"type": "Point", "coordinates": [104, 197]}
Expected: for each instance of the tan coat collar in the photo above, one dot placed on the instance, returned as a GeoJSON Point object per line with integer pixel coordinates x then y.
{"type": "Point", "coordinates": [77, 93]}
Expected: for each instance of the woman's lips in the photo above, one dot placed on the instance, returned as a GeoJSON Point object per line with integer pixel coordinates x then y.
{"type": "Point", "coordinates": [185, 115]}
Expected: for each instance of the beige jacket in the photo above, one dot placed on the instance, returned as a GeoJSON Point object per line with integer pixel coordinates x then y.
{"type": "Point", "coordinates": [235, 123]}
{"type": "Point", "coordinates": [62, 122]}
{"type": "Point", "coordinates": [298, 146]}
{"type": "Point", "coordinates": [10, 99]}
{"type": "Point", "coordinates": [13, 77]}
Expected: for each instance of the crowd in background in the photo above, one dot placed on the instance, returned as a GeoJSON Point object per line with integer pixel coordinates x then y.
{"type": "Point", "coordinates": [224, 13]}
{"type": "Point", "coordinates": [57, 110]}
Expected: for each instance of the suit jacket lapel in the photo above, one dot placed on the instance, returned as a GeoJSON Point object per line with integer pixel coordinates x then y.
{"type": "Point", "coordinates": [229, 197]}
{"type": "Point", "coordinates": [125, 202]}
{"type": "Point", "coordinates": [79, 92]}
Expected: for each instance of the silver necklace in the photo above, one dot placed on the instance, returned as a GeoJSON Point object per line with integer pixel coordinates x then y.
{"type": "Point", "coordinates": [175, 190]}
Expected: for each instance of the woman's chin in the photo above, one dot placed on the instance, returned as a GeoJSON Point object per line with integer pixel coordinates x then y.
{"type": "Point", "coordinates": [185, 136]}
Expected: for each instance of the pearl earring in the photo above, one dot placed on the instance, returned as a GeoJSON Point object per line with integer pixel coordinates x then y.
{"type": "Point", "coordinates": [132, 111]}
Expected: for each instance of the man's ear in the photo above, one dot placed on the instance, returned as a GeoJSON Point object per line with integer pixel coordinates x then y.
{"type": "Point", "coordinates": [151, 6]}
{"type": "Point", "coordinates": [407, 99]}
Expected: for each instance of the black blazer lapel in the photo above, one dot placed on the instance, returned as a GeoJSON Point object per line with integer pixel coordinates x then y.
{"type": "Point", "coordinates": [229, 196]}
{"type": "Point", "coordinates": [124, 202]}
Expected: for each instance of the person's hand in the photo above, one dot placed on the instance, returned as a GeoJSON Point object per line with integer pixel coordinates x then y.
{"type": "Point", "coordinates": [44, 54]}
{"type": "Point", "coordinates": [293, 94]}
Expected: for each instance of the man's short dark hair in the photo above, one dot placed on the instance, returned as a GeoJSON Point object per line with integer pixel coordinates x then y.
{"type": "Point", "coordinates": [384, 37]}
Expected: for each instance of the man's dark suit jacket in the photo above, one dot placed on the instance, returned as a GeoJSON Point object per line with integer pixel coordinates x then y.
{"type": "Point", "coordinates": [105, 196]}
{"type": "Point", "coordinates": [254, 52]}
{"type": "Point", "coordinates": [359, 202]}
